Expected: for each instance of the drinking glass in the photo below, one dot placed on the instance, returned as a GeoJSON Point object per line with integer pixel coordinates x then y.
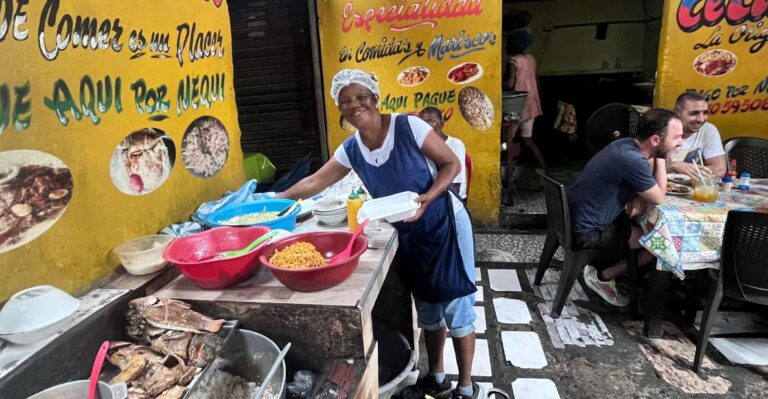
{"type": "Point", "coordinates": [706, 190]}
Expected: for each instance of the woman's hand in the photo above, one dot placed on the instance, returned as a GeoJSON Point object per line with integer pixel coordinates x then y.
{"type": "Point", "coordinates": [328, 174]}
{"type": "Point", "coordinates": [423, 200]}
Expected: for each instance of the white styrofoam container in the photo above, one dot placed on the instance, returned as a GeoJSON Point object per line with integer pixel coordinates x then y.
{"type": "Point", "coordinates": [393, 208]}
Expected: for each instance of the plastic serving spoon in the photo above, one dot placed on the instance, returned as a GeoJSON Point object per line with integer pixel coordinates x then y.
{"type": "Point", "coordinates": [251, 246]}
{"type": "Point", "coordinates": [347, 252]}
{"type": "Point", "coordinates": [96, 370]}
{"type": "Point", "coordinates": [290, 208]}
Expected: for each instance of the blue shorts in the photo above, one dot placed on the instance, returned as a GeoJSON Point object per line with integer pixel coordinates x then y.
{"type": "Point", "coordinates": [457, 314]}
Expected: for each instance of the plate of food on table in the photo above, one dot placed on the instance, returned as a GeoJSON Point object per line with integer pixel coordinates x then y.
{"type": "Point", "coordinates": [678, 189]}
{"type": "Point", "coordinates": [679, 178]}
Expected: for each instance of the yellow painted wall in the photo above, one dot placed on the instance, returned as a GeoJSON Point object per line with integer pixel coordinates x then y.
{"type": "Point", "coordinates": [73, 253]}
{"type": "Point", "coordinates": [346, 26]}
{"type": "Point", "coordinates": [738, 97]}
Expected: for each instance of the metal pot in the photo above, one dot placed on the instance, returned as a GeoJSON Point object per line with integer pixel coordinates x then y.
{"type": "Point", "coordinates": [79, 390]}
{"type": "Point", "coordinates": [249, 355]}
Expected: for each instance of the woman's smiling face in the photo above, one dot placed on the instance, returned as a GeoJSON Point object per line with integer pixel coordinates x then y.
{"type": "Point", "coordinates": [358, 105]}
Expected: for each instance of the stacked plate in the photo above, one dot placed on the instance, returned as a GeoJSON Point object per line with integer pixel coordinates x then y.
{"type": "Point", "coordinates": [331, 211]}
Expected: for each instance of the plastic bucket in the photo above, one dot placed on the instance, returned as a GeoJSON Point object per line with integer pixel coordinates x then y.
{"type": "Point", "coordinates": [396, 358]}
{"type": "Point", "coordinates": [513, 101]}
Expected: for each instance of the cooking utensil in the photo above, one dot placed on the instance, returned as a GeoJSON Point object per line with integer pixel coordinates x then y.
{"type": "Point", "coordinates": [264, 382]}
{"type": "Point", "coordinates": [347, 252]}
{"type": "Point", "coordinates": [289, 209]}
{"type": "Point", "coordinates": [96, 370]}
{"type": "Point", "coordinates": [232, 254]}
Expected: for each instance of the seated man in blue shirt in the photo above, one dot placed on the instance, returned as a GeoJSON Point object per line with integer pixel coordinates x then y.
{"type": "Point", "coordinates": [626, 168]}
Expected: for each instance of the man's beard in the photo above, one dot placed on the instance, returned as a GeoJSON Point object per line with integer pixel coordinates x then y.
{"type": "Point", "coordinates": [659, 152]}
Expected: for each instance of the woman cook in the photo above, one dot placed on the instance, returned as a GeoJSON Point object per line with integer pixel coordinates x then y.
{"type": "Point", "coordinates": [393, 153]}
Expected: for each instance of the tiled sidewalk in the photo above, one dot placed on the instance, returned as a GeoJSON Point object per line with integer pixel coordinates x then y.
{"type": "Point", "coordinates": [585, 354]}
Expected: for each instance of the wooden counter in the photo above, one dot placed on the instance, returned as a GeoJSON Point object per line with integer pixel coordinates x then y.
{"type": "Point", "coordinates": [331, 324]}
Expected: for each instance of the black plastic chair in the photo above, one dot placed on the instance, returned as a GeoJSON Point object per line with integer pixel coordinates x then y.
{"type": "Point", "coordinates": [751, 153]}
{"type": "Point", "coordinates": [559, 235]}
{"type": "Point", "coordinates": [743, 272]}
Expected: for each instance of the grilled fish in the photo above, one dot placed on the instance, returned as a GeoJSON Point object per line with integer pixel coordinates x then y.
{"type": "Point", "coordinates": [162, 313]}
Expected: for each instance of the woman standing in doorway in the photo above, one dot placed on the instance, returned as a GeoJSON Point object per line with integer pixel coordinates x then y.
{"type": "Point", "coordinates": [521, 76]}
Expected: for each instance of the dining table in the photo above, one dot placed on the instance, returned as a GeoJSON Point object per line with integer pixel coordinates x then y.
{"type": "Point", "coordinates": [687, 235]}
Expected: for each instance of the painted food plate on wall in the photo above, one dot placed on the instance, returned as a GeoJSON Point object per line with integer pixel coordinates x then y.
{"type": "Point", "coordinates": [205, 146]}
{"type": "Point", "coordinates": [35, 189]}
{"type": "Point", "coordinates": [142, 161]}
{"type": "Point", "coordinates": [465, 73]}
{"type": "Point", "coordinates": [476, 108]}
{"type": "Point", "coordinates": [715, 62]}
{"type": "Point", "coordinates": [413, 76]}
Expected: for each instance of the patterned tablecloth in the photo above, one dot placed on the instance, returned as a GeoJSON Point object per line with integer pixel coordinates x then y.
{"type": "Point", "coordinates": [687, 235]}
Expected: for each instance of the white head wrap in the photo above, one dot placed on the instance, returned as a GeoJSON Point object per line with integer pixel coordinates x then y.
{"type": "Point", "coordinates": [346, 77]}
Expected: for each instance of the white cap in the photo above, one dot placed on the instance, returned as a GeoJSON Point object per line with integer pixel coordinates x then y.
{"type": "Point", "coordinates": [346, 77]}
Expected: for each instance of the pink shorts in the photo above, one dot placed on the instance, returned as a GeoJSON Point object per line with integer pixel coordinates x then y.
{"type": "Point", "coordinates": [526, 128]}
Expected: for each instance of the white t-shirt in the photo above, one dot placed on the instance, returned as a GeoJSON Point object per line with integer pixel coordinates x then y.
{"type": "Point", "coordinates": [458, 148]}
{"type": "Point", "coordinates": [707, 139]}
{"type": "Point", "coordinates": [380, 155]}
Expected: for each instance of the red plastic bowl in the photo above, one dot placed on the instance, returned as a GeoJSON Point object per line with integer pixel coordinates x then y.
{"type": "Point", "coordinates": [194, 255]}
{"type": "Point", "coordinates": [328, 243]}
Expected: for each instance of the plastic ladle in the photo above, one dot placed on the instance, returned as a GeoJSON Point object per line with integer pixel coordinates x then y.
{"type": "Point", "coordinates": [290, 208]}
{"type": "Point", "coordinates": [96, 370]}
{"type": "Point", "coordinates": [264, 382]}
{"type": "Point", "coordinates": [347, 252]}
{"type": "Point", "coordinates": [251, 246]}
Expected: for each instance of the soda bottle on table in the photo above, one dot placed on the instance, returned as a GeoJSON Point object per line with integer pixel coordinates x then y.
{"type": "Point", "coordinates": [732, 171]}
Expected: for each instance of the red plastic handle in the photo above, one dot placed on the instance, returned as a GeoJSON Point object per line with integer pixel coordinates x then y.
{"type": "Point", "coordinates": [345, 254]}
{"type": "Point", "coordinates": [96, 370]}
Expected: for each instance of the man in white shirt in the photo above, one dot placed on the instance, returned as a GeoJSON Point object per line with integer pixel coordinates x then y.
{"type": "Point", "coordinates": [434, 118]}
{"type": "Point", "coordinates": [700, 139]}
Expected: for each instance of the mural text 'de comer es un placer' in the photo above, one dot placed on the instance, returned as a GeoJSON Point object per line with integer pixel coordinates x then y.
{"type": "Point", "coordinates": [59, 32]}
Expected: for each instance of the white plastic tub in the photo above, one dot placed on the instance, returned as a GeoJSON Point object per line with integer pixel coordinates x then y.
{"type": "Point", "coordinates": [144, 255]}
{"type": "Point", "coordinates": [393, 208]}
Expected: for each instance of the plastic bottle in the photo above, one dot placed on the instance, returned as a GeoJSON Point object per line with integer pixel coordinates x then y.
{"type": "Point", "coordinates": [732, 170]}
{"type": "Point", "coordinates": [363, 195]}
{"type": "Point", "coordinates": [353, 206]}
{"type": "Point", "coordinates": [727, 184]}
{"type": "Point", "coordinates": [744, 183]}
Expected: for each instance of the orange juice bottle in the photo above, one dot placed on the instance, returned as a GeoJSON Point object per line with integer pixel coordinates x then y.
{"type": "Point", "coordinates": [353, 206]}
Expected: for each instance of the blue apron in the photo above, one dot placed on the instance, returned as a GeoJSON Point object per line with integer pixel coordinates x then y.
{"type": "Point", "coordinates": [431, 262]}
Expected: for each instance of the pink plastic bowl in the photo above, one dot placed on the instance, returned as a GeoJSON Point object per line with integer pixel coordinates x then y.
{"type": "Point", "coordinates": [194, 255]}
{"type": "Point", "coordinates": [328, 243]}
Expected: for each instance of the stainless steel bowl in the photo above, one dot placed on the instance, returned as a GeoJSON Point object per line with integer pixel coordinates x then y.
{"type": "Point", "coordinates": [79, 390]}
